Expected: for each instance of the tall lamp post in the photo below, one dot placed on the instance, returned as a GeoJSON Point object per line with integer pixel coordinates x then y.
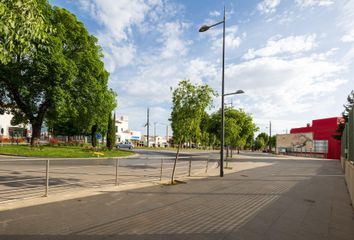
{"type": "Point", "coordinates": [203, 29]}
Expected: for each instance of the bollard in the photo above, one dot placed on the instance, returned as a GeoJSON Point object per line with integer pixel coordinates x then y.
{"type": "Point", "coordinates": [190, 168]}
{"type": "Point", "coordinates": [206, 167]}
{"type": "Point", "coordinates": [161, 169]}
{"type": "Point", "coordinates": [117, 166]}
{"type": "Point", "coordinates": [46, 178]}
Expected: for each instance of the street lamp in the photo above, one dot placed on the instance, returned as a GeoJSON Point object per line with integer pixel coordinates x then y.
{"type": "Point", "coordinates": [234, 93]}
{"type": "Point", "coordinates": [203, 29]}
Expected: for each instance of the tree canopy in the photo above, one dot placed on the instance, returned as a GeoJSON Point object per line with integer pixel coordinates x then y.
{"type": "Point", "coordinates": [262, 140]}
{"type": "Point", "coordinates": [188, 106]}
{"type": "Point", "coordinates": [67, 87]}
{"type": "Point", "coordinates": [239, 127]}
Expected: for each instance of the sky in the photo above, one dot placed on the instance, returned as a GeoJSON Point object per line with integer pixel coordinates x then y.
{"type": "Point", "coordinates": [293, 59]}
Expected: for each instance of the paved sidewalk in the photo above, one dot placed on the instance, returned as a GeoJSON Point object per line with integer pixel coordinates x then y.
{"type": "Point", "coordinates": [290, 199]}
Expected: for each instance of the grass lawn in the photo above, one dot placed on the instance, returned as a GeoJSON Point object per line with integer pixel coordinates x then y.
{"type": "Point", "coordinates": [59, 152]}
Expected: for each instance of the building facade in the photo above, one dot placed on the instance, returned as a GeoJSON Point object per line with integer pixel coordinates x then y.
{"type": "Point", "coordinates": [124, 134]}
{"type": "Point", "coordinates": [317, 138]}
{"type": "Point", "coordinates": [11, 131]}
{"type": "Point", "coordinates": [155, 141]}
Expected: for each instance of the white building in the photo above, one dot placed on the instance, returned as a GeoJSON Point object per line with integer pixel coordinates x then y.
{"type": "Point", "coordinates": [10, 130]}
{"type": "Point", "coordinates": [123, 133]}
{"type": "Point", "coordinates": [155, 141]}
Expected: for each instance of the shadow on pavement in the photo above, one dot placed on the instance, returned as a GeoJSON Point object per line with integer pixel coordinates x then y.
{"type": "Point", "coordinates": [288, 200]}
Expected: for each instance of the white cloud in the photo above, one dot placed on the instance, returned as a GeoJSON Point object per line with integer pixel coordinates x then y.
{"type": "Point", "coordinates": [276, 87]}
{"type": "Point", "coordinates": [117, 19]}
{"type": "Point", "coordinates": [118, 16]}
{"type": "Point", "coordinates": [116, 54]}
{"type": "Point", "coordinates": [200, 71]}
{"type": "Point", "coordinates": [349, 37]}
{"type": "Point", "coordinates": [214, 13]}
{"type": "Point", "coordinates": [311, 3]}
{"type": "Point", "coordinates": [268, 6]}
{"type": "Point", "coordinates": [232, 40]}
{"type": "Point", "coordinates": [345, 22]}
{"type": "Point", "coordinates": [275, 46]}
{"type": "Point", "coordinates": [172, 39]}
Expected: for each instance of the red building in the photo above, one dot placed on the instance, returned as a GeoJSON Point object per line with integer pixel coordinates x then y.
{"type": "Point", "coordinates": [323, 131]}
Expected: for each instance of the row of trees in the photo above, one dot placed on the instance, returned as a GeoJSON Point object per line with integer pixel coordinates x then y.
{"type": "Point", "coordinates": [263, 141]}
{"type": "Point", "coordinates": [192, 124]}
{"type": "Point", "coordinates": [51, 71]}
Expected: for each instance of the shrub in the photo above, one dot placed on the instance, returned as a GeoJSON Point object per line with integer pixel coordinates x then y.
{"type": "Point", "coordinates": [53, 141]}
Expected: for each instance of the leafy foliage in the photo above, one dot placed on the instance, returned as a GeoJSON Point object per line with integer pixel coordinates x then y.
{"type": "Point", "coordinates": [239, 127]}
{"type": "Point", "coordinates": [189, 104]}
{"type": "Point", "coordinates": [111, 131]}
{"type": "Point", "coordinates": [262, 140]}
{"type": "Point", "coordinates": [188, 108]}
{"type": "Point", "coordinates": [67, 87]}
{"type": "Point", "coordinates": [23, 28]}
{"type": "Point", "coordinates": [347, 107]}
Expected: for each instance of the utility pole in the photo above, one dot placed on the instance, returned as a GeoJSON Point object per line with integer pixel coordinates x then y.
{"type": "Point", "coordinates": [155, 133]}
{"type": "Point", "coordinates": [167, 134]}
{"type": "Point", "coordinates": [148, 128]}
{"type": "Point", "coordinates": [270, 136]}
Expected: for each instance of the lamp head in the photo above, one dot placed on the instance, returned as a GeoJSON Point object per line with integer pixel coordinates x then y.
{"type": "Point", "coordinates": [204, 28]}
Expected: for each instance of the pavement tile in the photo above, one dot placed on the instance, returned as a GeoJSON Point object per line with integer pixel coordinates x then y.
{"type": "Point", "coordinates": [272, 202]}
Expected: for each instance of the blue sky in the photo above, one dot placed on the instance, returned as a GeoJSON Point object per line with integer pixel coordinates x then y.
{"type": "Point", "coordinates": [293, 58]}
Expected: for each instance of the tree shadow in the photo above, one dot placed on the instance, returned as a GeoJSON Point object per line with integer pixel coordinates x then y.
{"type": "Point", "coordinates": [292, 200]}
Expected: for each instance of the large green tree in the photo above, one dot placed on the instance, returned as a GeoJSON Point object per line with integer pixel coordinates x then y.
{"type": "Point", "coordinates": [66, 86]}
{"type": "Point", "coordinates": [90, 99]}
{"type": "Point", "coordinates": [189, 102]}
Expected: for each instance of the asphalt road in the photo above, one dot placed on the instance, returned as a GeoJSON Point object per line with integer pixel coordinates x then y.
{"type": "Point", "coordinates": [25, 177]}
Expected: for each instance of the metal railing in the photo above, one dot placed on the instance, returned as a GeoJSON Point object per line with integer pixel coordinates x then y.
{"type": "Point", "coordinates": [33, 177]}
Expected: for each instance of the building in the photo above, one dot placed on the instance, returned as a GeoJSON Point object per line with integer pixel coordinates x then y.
{"type": "Point", "coordinates": [296, 142]}
{"type": "Point", "coordinates": [124, 134]}
{"type": "Point", "coordinates": [10, 131]}
{"type": "Point", "coordinates": [316, 139]}
{"type": "Point", "coordinates": [155, 141]}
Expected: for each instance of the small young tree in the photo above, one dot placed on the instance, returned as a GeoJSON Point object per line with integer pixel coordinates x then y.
{"type": "Point", "coordinates": [188, 105]}
{"type": "Point", "coordinates": [111, 133]}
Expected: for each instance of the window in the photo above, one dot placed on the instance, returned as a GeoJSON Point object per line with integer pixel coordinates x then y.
{"type": "Point", "coordinates": [320, 146]}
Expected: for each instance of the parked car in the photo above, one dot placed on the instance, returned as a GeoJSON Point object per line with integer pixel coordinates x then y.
{"type": "Point", "coordinates": [128, 145]}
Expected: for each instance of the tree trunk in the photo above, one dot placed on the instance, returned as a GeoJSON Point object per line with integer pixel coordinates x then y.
{"type": "Point", "coordinates": [174, 165]}
{"type": "Point", "coordinates": [93, 135]}
{"type": "Point", "coordinates": [36, 132]}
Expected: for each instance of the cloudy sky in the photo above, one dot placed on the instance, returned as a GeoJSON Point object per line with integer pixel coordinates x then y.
{"type": "Point", "coordinates": [293, 58]}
